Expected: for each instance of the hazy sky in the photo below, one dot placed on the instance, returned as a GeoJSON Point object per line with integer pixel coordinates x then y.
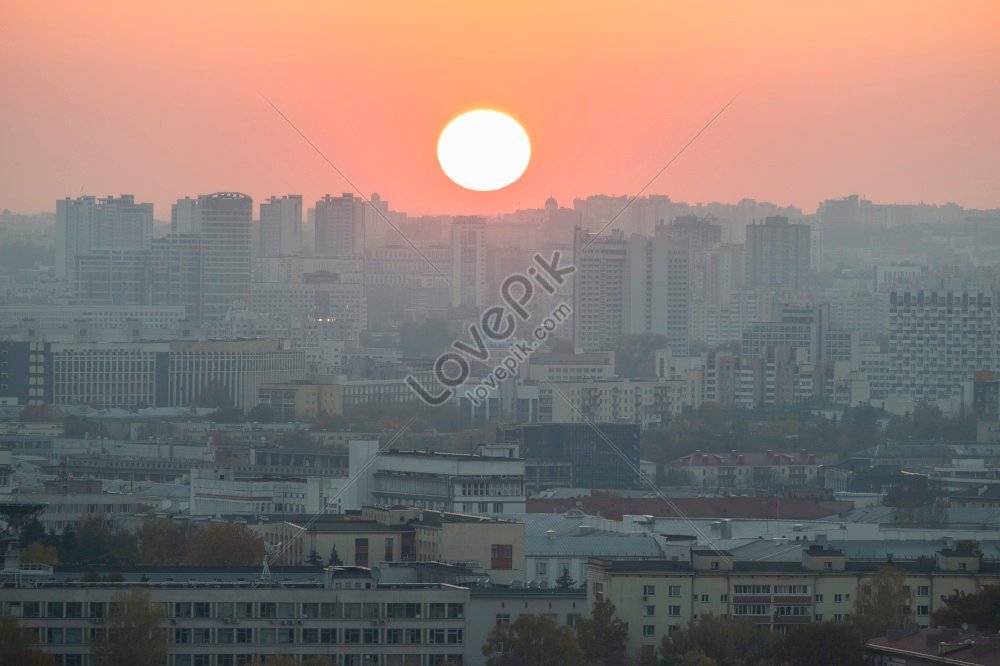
{"type": "Point", "coordinates": [897, 101]}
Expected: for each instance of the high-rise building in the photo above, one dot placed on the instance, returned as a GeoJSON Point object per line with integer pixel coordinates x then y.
{"type": "Point", "coordinates": [340, 226]}
{"type": "Point", "coordinates": [802, 327]}
{"type": "Point", "coordinates": [176, 272]}
{"type": "Point", "coordinates": [624, 286]}
{"type": "Point", "coordinates": [280, 226]}
{"type": "Point", "coordinates": [226, 244]}
{"type": "Point", "coordinates": [778, 253]}
{"type": "Point", "coordinates": [87, 224]}
{"type": "Point", "coordinates": [599, 289]}
{"type": "Point", "coordinates": [939, 339]}
{"type": "Point", "coordinates": [468, 262]}
{"type": "Point", "coordinates": [184, 216]}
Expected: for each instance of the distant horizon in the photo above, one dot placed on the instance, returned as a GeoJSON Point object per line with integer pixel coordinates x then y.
{"type": "Point", "coordinates": [309, 203]}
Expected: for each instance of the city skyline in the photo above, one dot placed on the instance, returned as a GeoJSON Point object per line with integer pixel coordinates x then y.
{"type": "Point", "coordinates": [897, 110]}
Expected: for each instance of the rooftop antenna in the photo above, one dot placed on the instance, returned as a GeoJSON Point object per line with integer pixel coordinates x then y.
{"type": "Point", "coordinates": [265, 579]}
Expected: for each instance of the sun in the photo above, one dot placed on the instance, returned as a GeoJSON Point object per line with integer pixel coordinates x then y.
{"type": "Point", "coordinates": [484, 150]}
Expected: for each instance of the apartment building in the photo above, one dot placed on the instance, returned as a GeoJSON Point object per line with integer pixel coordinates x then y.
{"type": "Point", "coordinates": [656, 597]}
{"type": "Point", "coordinates": [752, 469]}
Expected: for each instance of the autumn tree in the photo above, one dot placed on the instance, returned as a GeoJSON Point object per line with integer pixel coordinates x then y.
{"type": "Point", "coordinates": [225, 545]}
{"type": "Point", "coordinates": [16, 645]}
{"type": "Point", "coordinates": [161, 541]}
{"type": "Point", "coordinates": [883, 603]}
{"type": "Point", "coordinates": [980, 609]}
{"type": "Point", "coordinates": [532, 640]}
{"type": "Point", "coordinates": [602, 636]}
{"type": "Point", "coordinates": [132, 633]}
{"type": "Point", "coordinates": [735, 641]}
{"type": "Point", "coordinates": [39, 553]}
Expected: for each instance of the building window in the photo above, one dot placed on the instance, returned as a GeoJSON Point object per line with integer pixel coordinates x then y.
{"type": "Point", "coordinates": [648, 631]}
{"type": "Point", "coordinates": [819, 598]}
{"type": "Point", "coordinates": [923, 591]}
{"type": "Point", "coordinates": [503, 618]}
{"type": "Point", "coordinates": [648, 590]}
{"type": "Point", "coordinates": [674, 611]}
{"type": "Point", "coordinates": [502, 556]}
{"type": "Point", "coordinates": [649, 611]}
{"type": "Point", "coordinates": [704, 598]}
{"type": "Point", "coordinates": [361, 552]}
{"type": "Point", "coordinates": [838, 598]}
{"type": "Point", "coordinates": [541, 568]}
{"type": "Point", "coordinates": [674, 591]}
{"type": "Point", "coordinates": [923, 610]}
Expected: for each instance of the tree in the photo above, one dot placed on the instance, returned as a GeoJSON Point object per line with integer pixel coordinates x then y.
{"type": "Point", "coordinates": [565, 581]}
{"type": "Point", "coordinates": [314, 559]}
{"type": "Point", "coordinates": [39, 553]}
{"type": "Point", "coordinates": [16, 644]}
{"type": "Point", "coordinates": [262, 414]}
{"type": "Point", "coordinates": [32, 532]}
{"type": "Point", "coordinates": [634, 354]}
{"type": "Point", "coordinates": [335, 560]}
{"type": "Point", "coordinates": [980, 609]}
{"type": "Point", "coordinates": [532, 640]}
{"type": "Point", "coordinates": [95, 544]}
{"type": "Point", "coordinates": [603, 636]}
{"type": "Point", "coordinates": [132, 633]}
{"type": "Point", "coordinates": [838, 642]}
{"type": "Point", "coordinates": [161, 541]}
{"type": "Point", "coordinates": [732, 641]}
{"type": "Point", "coordinates": [883, 603]}
{"type": "Point", "coordinates": [225, 545]}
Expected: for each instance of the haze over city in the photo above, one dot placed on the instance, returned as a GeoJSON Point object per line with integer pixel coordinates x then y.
{"type": "Point", "coordinates": [500, 334]}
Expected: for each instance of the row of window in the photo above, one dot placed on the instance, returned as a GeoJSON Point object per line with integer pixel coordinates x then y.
{"type": "Point", "coordinates": [248, 610]}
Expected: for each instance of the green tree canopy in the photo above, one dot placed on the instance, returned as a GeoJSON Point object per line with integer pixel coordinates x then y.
{"type": "Point", "coordinates": [532, 640]}
{"type": "Point", "coordinates": [602, 636]}
{"type": "Point", "coordinates": [732, 641]}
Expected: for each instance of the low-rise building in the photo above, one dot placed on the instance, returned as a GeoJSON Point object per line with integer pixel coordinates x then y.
{"type": "Point", "coordinates": [751, 469]}
{"type": "Point", "coordinates": [656, 597]}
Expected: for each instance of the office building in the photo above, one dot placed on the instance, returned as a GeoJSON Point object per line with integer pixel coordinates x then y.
{"type": "Point", "coordinates": [340, 226]}
{"type": "Point", "coordinates": [280, 226]}
{"type": "Point", "coordinates": [468, 262]}
{"type": "Point", "coordinates": [88, 224]}
{"type": "Point", "coordinates": [226, 242]}
{"type": "Point", "coordinates": [778, 254]}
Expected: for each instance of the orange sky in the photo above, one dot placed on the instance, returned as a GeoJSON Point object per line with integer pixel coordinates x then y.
{"type": "Point", "coordinates": [898, 101]}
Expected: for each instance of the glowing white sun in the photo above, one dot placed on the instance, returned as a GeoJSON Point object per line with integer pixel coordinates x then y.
{"type": "Point", "coordinates": [484, 150]}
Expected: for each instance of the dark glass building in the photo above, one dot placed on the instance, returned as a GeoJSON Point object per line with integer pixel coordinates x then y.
{"type": "Point", "coordinates": [577, 455]}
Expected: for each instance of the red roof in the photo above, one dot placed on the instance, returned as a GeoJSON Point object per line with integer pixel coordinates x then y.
{"type": "Point", "coordinates": [788, 508]}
